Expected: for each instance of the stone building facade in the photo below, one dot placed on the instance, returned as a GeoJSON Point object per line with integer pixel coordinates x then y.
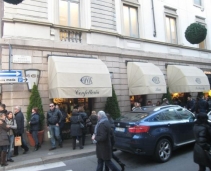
{"type": "Point", "coordinates": [33, 28]}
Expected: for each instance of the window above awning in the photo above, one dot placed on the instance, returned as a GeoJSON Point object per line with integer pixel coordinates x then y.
{"type": "Point", "coordinates": [72, 77]}
{"type": "Point", "coordinates": [186, 79]}
{"type": "Point", "coordinates": [145, 78]}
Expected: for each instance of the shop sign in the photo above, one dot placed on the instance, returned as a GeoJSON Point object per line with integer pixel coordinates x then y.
{"type": "Point", "coordinates": [156, 80]}
{"type": "Point", "coordinates": [33, 76]}
{"type": "Point", "coordinates": [198, 80]}
{"type": "Point", "coordinates": [86, 92]}
{"type": "Point", "coordinates": [86, 80]}
{"type": "Point", "coordinates": [22, 59]}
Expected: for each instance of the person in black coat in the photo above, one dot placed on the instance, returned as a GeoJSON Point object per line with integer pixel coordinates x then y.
{"type": "Point", "coordinates": [34, 127]}
{"type": "Point", "coordinates": [84, 117]}
{"type": "Point", "coordinates": [93, 119]}
{"type": "Point", "coordinates": [19, 117]}
{"type": "Point", "coordinates": [75, 129]}
{"type": "Point", "coordinates": [111, 121]}
{"type": "Point", "coordinates": [102, 139]}
{"type": "Point", "coordinates": [202, 133]}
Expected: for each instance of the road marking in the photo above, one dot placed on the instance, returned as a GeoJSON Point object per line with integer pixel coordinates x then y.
{"type": "Point", "coordinates": [41, 167]}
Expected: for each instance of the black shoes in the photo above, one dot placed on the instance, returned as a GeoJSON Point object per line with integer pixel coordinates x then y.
{"type": "Point", "coordinates": [60, 145]}
{"type": "Point", "coordinates": [10, 160]}
{"type": "Point", "coordinates": [52, 148]}
{"type": "Point", "coordinates": [2, 165]}
{"type": "Point", "coordinates": [25, 151]}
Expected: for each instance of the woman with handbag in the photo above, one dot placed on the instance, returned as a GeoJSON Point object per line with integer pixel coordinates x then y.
{"type": "Point", "coordinates": [76, 122]}
{"type": "Point", "coordinates": [202, 148]}
{"type": "Point", "coordinates": [34, 126]}
{"type": "Point", "coordinates": [13, 126]}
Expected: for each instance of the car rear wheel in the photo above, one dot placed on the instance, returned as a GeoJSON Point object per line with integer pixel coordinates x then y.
{"type": "Point", "coordinates": [163, 150]}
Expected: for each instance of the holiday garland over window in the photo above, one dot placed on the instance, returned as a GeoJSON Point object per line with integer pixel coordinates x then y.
{"type": "Point", "coordinates": [195, 33]}
{"type": "Point", "coordinates": [14, 2]}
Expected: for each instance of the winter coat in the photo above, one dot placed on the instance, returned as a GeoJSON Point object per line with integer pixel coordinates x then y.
{"type": "Point", "coordinates": [75, 124]}
{"type": "Point", "coordinates": [3, 134]}
{"type": "Point", "coordinates": [13, 125]}
{"type": "Point", "coordinates": [202, 133]}
{"type": "Point", "coordinates": [54, 116]}
{"type": "Point", "coordinates": [202, 106]}
{"type": "Point", "coordinates": [190, 105]}
{"type": "Point", "coordinates": [34, 122]}
{"type": "Point", "coordinates": [20, 122]}
{"type": "Point", "coordinates": [103, 146]}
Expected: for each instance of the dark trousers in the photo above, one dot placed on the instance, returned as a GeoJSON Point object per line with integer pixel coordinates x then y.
{"type": "Point", "coordinates": [35, 137]}
{"type": "Point", "coordinates": [109, 163]}
{"type": "Point", "coordinates": [202, 168]}
{"type": "Point", "coordinates": [115, 158]}
{"type": "Point", "coordinates": [24, 145]}
{"type": "Point", "coordinates": [74, 141]}
{"type": "Point", "coordinates": [83, 136]}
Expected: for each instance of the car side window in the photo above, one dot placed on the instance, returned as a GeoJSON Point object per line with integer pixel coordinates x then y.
{"type": "Point", "coordinates": [156, 118]}
{"type": "Point", "coordinates": [170, 114]}
{"type": "Point", "coordinates": [184, 113]}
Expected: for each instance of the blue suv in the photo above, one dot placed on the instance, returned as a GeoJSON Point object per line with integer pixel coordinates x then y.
{"type": "Point", "coordinates": [154, 131]}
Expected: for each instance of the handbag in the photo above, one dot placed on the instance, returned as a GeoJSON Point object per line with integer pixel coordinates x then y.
{"type": "Point", "coordinates": [88, 122]}
{"type": "Point", "coordinates": [18, 141]}
{"type": "Point", "coordinates": [81, 125]}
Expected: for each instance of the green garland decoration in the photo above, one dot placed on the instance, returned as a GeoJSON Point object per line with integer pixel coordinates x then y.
{"type": "Point", "coordinates": [14, 2]}
{"type": "Point", "coordinates": [195, 33]}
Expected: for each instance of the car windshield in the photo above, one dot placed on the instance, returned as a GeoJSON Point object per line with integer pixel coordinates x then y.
{"type": "Point", "coordinates": [133, 117]}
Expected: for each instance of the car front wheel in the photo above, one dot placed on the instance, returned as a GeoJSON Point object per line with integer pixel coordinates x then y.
{"type": "Point", "coordinates": [163, 150]}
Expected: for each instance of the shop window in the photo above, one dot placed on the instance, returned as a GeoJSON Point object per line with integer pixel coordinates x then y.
{"type": "Point", "coordinates": [171, 30]}
{"type": "Point", "coordinates": [138, 99]}
{"type": "Point", "coordinates": [69, 12]}
{"type": "Point", "coordinates": [130, 17]}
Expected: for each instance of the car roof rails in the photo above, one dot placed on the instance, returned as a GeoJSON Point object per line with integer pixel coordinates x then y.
{"type": "Point", "coordinates": [167, 106]}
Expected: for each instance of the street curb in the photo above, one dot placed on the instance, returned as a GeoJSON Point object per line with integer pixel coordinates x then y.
{"type": "Point", "coordinates": [48, 159]}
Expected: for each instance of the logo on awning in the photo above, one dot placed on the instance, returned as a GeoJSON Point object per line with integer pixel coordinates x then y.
{"type": "Point", "coordinates": [156, 80]}
{"type": "Point", "coordinates": [198, 80]}
{"type": "Point", "coordinates": [86, 80]}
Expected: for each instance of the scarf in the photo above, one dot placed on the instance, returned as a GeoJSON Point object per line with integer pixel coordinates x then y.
{"type": "Point", "coordinates": [103, 119]}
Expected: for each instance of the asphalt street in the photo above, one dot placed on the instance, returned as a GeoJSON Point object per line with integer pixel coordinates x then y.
{"type": "Point", "coordinates": [182, 160]}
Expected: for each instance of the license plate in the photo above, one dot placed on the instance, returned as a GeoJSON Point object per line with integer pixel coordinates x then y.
{"type": "Point", "coordinates": [120, 129]}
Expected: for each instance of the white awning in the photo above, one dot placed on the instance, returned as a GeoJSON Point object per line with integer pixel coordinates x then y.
{"type": "Point", "coordinates": [145, 78]}
{"type": "Point", "coordinates": [72, 77]}
{"type": "Point", "coordinates": [186, 79]}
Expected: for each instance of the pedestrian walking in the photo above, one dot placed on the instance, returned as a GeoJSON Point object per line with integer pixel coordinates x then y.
{"type": "Point", "coordinates": [34, 126]}
{"type": "Point", "coordinates": [122, 165]}
{"type": "Point", "coordinates": [202, 148]}
{"type": "Point", "coordinates": [10, 121]}
{"type": "Point", "coordinates": [19, 117]}
{"type": "Point", "coordinates": [61, 125]}
{"type": "Point", "coordinates": [202, 105]}
{"type": "Point", "coordinates": [190, 103]}
{"type": "Point", "coordinates": [54, 117]}
{"type": "Point", "coordinates": [102, 139]}
{"type": "Point", "coordinates": [84, 118]}
{"type": "Point", "coordinates": [4, 141]}
{"type": "Point", "coordinates": [76, 130]}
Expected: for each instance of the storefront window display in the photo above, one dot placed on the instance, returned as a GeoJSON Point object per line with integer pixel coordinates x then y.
{"type": "Point", "coordinates": [180, 98]}
{"type": "Point", "coordinates": [138, 98]}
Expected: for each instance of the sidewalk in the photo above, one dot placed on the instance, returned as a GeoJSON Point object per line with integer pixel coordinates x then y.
{"type": "Point", "coordinates": [43, 155]}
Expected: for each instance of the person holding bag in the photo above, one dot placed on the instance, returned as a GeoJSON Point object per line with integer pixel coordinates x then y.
{"type": "Point", "coordinates": [75, 128]}
{"type": "Point", "coordinates": [34, 127]}
{"type": "Point", "coordinates": [13, 126]}
{"type": "Point", "coordinates": [4, 141]}
{"type": "Point", "coordinates": [202, 148]}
